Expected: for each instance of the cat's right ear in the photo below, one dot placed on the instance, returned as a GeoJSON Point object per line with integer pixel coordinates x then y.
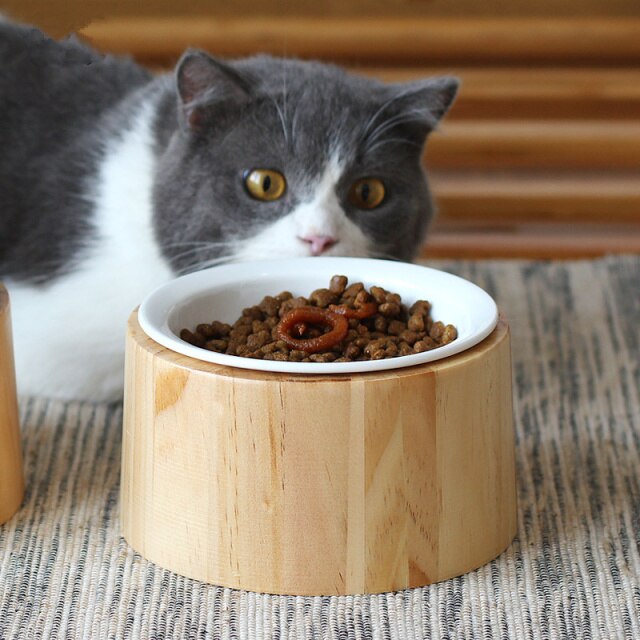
{"type": "Point", "coordinates": [203, 85]}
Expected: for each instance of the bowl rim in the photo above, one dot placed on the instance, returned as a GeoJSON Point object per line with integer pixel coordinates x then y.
{"type": "Point", "coordinates": [156, 308]}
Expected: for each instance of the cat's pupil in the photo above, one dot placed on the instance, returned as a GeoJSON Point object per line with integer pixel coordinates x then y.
{"type": "Point", "coordinates": [266, 184]}
{"type": "Point", "coordinates": [364, 192]}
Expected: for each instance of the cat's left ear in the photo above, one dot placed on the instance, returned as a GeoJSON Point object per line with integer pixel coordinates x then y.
{"type": "Point", "coordinates": [422, 104]}
{"type": "Point", "coordinates": [204, 85]}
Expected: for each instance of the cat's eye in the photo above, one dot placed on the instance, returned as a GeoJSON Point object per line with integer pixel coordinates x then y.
{"type": "Point", "coordinates": [367, 193]}
{"type": "Point", "coordinates": [265, 184]}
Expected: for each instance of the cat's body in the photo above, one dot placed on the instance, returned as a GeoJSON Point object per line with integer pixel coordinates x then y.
{"type": "Point", "coordinates": [113, 180]}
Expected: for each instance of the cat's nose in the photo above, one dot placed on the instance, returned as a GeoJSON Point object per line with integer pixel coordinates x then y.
{"type": "Point", "coordinates": [319, 244]}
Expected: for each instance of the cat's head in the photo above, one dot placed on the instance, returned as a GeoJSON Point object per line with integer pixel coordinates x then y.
{"type": "Point", "coordinates": [274, 158]}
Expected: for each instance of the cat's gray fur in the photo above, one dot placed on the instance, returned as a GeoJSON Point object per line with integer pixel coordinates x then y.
{"type": "Point", "coordinates": [63, 106]}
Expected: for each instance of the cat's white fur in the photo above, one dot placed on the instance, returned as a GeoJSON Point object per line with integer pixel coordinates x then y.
{"type": "Point", "coordinates": [69, 335]}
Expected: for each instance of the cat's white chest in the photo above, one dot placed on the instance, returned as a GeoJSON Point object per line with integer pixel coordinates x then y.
{"type": "Point", "coordinates": [69, 336]}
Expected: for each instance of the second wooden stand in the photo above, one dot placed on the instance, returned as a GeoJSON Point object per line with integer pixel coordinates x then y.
{"type": "Point", "coordinates": [312, 485]}
{"type": "Point", "coordinates": [11, 479]}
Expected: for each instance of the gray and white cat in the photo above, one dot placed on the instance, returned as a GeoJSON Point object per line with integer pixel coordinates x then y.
{"type": "Point", "coordinates": [113, 180]}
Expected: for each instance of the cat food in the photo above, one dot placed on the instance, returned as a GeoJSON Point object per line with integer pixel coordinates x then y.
{"type": "Point", "coordinates": [342, 323]}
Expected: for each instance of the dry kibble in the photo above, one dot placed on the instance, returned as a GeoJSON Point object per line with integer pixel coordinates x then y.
{"type": "Point", "coordinates": [379, 326]}
{"type": "Point", "coordinates": [405, 349]}
{"type": "Point", "coordinates": [421, 307]}
{"type": "Point", "coordinates": [195, 339]}
{"type": "Point", "coordinates": [416, 322]}
{"type": "Point", "coordinates": [362, 297]}
{"type": "Point", "coordinates": [323, 298]}
{"type": "Point", "coordinates": [437, 331]}
{"type": "Point", "coordinates": [450, 334]}
{"type": "Point", "coordinates": [352, 351]}
{"type": "Point", "coordinates": [217, 345]}
{"type": "Point", "coordinates": [253, 313]}
{"type": "Point", "coordinates": [408, 336]}
{"type": "Point", "coordinates": [270, 306]}
{"type": "Point", "coordinates": [353, 289]}
{"type": "Point", "coordinates": [396, 327]}
{"type": "Point", "coordinates": [257, 340]}
{"type": "Point", "coordinates": [379, 294]}
{"type": "Point", "coordinates": [389, 309]}
{"type": "Point", "coordinates": [338, 284]}
{"type": "Point", "coordinates": [380, 323]}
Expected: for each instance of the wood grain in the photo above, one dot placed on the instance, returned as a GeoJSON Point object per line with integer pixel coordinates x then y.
{"type": "Point", "coordinates": [318, 484]}
{"type": "Point", "coordinates": [532, 197]}
{"type": "Point", "coordinates": [531, 93]}
{"type": "Point", "coordinates": [11, 478]}
{"type": "Point", "coordinates": [567, 242]}
{"type": "Point", "coordinates": [507, 144]}
{"type": "Point", "coordinates": [411, 39]}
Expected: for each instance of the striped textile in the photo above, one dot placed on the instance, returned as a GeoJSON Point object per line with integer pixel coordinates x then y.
{"type": "Point", "coordinates": [573, 571]}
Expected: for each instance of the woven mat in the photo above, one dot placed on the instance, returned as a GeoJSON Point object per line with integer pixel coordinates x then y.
{"type": "Point", "coordinates": [573, 571]}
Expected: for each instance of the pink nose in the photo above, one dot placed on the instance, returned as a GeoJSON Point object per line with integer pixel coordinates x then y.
{"type": "Point", "coordinates": [319, 244]}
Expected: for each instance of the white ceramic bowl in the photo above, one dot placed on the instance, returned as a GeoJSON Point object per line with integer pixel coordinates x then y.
{"type": "Point", "coordinates": [222, 292]}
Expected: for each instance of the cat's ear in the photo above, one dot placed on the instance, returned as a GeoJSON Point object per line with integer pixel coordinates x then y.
{"type": "Point", "coordinates": [203, 84]}
{"type": "Point", "coordinates": [419, 106]}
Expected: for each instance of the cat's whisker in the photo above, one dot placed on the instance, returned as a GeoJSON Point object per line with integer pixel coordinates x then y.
{"type": "Point", "coordinates": [171, 245]}
{"type": "Point", "coordinates": [383, 255]}
{"type": "Point", "coordinates": [281, 117]}
{"type": "Point", "coordinates": [385, 105]}
{"type": "Point", "coordinates": [381, 143]}
{"type": "Point", "coordinates": [205, 264]}
{"type": "Point", "coordinates": [197, 248]}
{"type": "Point", "coordinates": [414, 115]}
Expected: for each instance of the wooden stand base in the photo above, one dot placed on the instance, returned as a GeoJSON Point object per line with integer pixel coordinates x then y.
{"type": "Point", "coordinates": [11, 478]}
{"type": "Point", "coordinates": [314, 485]}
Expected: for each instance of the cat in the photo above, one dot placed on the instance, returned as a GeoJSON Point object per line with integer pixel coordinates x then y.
{"type": "Point", "coordinates": [114, 180]}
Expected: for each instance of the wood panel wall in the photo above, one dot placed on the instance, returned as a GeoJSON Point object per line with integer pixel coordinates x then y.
{"type": "Point", "coordinates": [540, 155]}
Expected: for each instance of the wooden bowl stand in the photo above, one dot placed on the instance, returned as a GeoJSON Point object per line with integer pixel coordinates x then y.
{"type": "Point", "coordinates": [11, 478]}
{"type": "Point", "coordinates": [309, 485]}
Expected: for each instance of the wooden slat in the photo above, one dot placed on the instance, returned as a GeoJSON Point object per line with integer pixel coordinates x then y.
{"type": "Point", "coordinates": [533, 242]}
{"type": "Point", "coordinates": [497, 198]}
{"type": "Point", "coordinates": [532, 93]}
{"type": "Point", "coordinates": [359, 38]}
{"type": "Point", "coordinates": [536, 144]}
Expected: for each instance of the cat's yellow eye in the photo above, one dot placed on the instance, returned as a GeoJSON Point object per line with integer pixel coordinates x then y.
{"type": "Point", "coordinates": [265, 184]}
{"type": "Point", "coordinates": [367, 193]}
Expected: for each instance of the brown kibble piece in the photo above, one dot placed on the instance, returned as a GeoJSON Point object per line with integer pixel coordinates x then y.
{"type": "Point", "coordinates": [257, 340]}
{"type": "Point", "coordinates": [270, 306]}
{"type": "Point", "coordinates": [409, 336]}
{"type": "Point", "coordinates": [396, 327]}
{"type": "Point", "coordinates": [217, 345]}
{"type": "Point", "coordinates": [422, 307]}
{"type": "Point", "coordinates": [352, 290]}
{"type": "Point", "coordinates": [192, 338]}
{"type": "Point", "coordinates": [437, 330]}
{"type": "Point", "coordinates": [450, 334]}
{"type": "Point", "coordinates": [379, 294]}
{"type": "Point", "coordinates": [338, 284]}
{"type": "Point", "coordinates": [323, 298]}
{"type": "Point", "coordinates": [389, 309]}
{"type": "Point", "coordinates": [416, 322]}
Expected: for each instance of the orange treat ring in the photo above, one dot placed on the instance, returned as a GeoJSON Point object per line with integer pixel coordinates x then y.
{"type": "Point", "coordinates": [367, 310]}
{"type": "Point", "coordinates": [312, 315]}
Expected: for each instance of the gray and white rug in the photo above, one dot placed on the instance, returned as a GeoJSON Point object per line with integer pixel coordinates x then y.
{"type": "Point", "coordinates": [573, 571]}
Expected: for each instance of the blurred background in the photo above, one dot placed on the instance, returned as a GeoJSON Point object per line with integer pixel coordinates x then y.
{"type": "Point", "coordinates": [540, 155]}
